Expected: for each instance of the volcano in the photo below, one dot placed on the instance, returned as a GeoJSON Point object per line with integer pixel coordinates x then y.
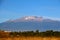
{"type": "Point", "coordinates": [29, 23]}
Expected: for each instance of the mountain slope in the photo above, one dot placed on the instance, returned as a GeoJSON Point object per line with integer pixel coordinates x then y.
{"type": "Point", "coordinates": [30, 23]}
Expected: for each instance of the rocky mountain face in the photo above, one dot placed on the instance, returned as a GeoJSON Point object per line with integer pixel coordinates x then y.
{"type": "Point", "coordinates": [30, 23]}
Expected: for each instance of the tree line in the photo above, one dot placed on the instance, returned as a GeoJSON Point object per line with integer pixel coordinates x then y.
{"type": "Point", "coordinates": [48, 33]}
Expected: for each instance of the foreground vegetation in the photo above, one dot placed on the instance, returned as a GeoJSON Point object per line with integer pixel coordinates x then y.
{"type": "Point", "coordinates": [31, 38]}
{"type": "Point", "coordinates": [30, 35]}
{"type": "Point", "coordinates": [48, 33]}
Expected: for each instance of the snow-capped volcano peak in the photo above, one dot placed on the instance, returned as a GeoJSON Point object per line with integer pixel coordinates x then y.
{"type": "Point", "coordinates": [30, 17]}
{"type": "Point", "coordinates": [34, 18]}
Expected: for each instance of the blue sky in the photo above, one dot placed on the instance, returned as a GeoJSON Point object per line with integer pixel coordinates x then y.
{"type": "Point", "coordinates": [12, 9]}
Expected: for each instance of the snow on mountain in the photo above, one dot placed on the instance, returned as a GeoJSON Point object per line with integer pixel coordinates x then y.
{"type": "Point", "coordinates": [28, 18]}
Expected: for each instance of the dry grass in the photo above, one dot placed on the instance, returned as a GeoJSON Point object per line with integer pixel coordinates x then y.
{"type": "Point", "coordinates": [31, 38]}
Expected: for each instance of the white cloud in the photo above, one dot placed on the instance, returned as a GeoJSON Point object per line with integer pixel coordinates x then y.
{"type": "Point", "coordinates": [53, 18]}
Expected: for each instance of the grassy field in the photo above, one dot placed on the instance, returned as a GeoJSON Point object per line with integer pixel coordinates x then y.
{"type": "Point", "coordinates": [31, 38]}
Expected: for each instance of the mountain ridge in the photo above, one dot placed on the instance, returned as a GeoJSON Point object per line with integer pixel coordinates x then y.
{"type": "Point", "coordinates": [32, 23]}
{"type": "Point", "coordinates": [29, 18]}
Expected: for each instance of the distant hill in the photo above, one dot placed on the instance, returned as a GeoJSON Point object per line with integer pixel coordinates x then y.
{"type": "Point", "coordinates": [30, 23]}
